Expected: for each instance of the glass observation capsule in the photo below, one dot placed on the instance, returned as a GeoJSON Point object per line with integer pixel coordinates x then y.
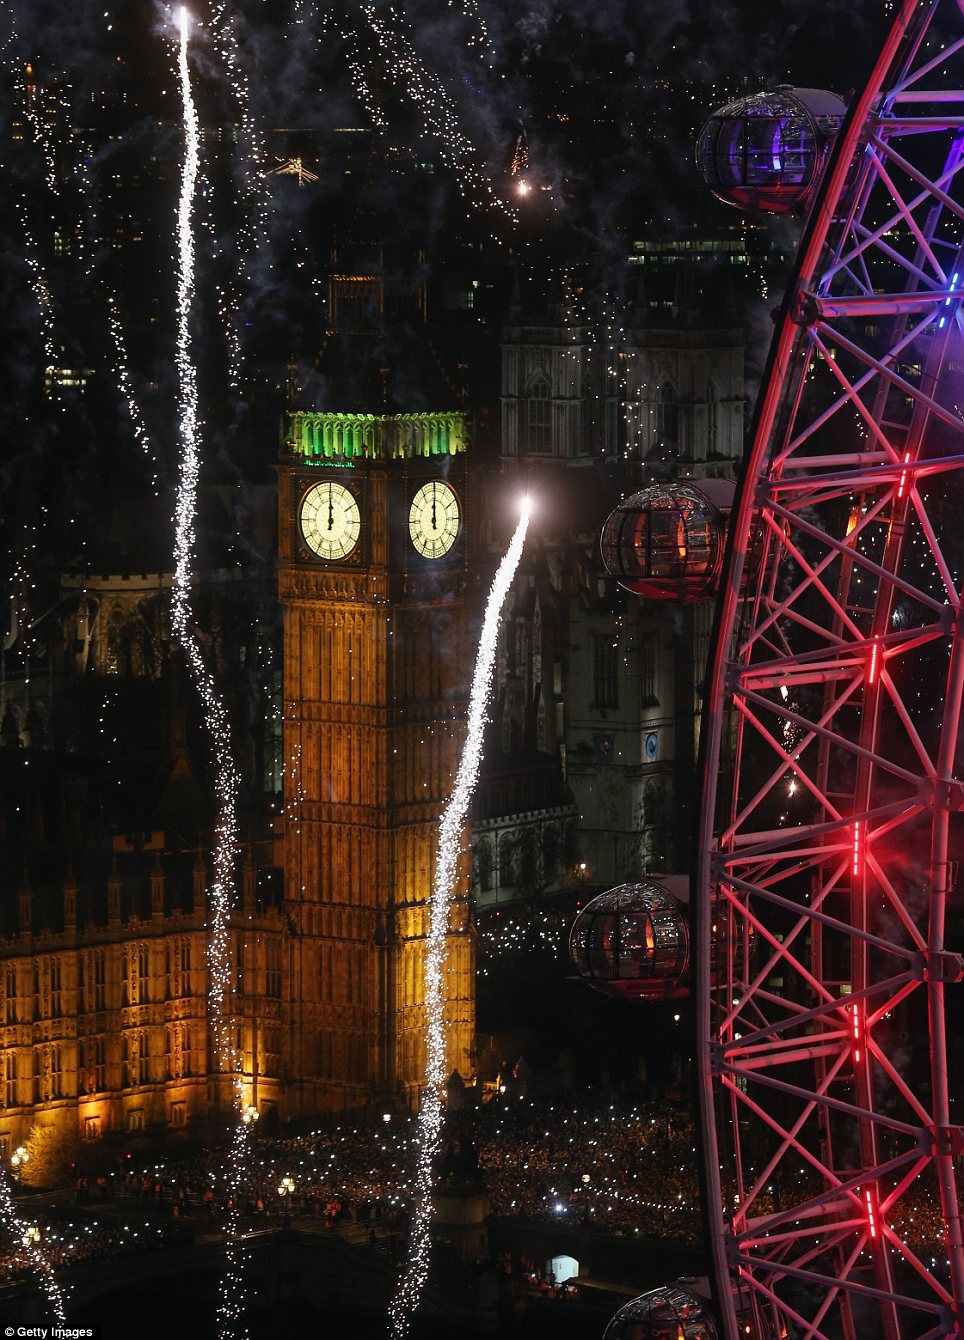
{"type": "Point", "coordinates": [666, 542]}
{"type": "Point", "coordinates": [632, 941]}
{"type": "Point", "coordinates": [669, 1313]}
{"type": "Point", "coordinates": [765, 153]}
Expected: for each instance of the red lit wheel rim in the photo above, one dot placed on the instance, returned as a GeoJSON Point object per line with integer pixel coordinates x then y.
{"type": "Point", "coordinates": [831, 817]}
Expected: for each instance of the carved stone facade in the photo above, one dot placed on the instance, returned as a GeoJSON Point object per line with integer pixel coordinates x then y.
{"type": "Point", "coordinates": [103, 1015]}
{"type": "Point", "coordinates": [595, 682]}
{"type": "Point", "coordinates": [667, 394]}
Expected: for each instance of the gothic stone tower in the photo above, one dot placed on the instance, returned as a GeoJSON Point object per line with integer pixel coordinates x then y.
{"type": "Point", "coordinates": [374, 560]}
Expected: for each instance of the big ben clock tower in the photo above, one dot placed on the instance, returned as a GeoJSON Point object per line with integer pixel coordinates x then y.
{"type": "Point", "coordinates": [373, 574]}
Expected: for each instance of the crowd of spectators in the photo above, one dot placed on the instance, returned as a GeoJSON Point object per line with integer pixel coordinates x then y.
{"type": "Point", "coordinates": [630, 1170]}
{"type": "Point", "coordinates": [67, 1244]}
{"type": "Point", "coordinates": [620, 1169]}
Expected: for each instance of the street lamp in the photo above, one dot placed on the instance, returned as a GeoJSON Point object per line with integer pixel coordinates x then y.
{"type": "Point", "coordinates": [286, 1189]}
{"type": "Point", "coordinates": [585, 1179]}
{"type": "Point", "coordinates": [18, 1159]}
{"type": "Point", "coordinates": [249, 1115]}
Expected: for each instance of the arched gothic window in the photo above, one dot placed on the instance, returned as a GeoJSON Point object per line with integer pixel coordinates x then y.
{"type": "Point", "coordinates": [667, 417]}
{"type": "Point", "coordinates": [538, 436]}
{"type": "Point", "coordinates": [116, 642]}
{"type": "Point", "coordinates": [712, 420]}
{"type": "Point", "coordinates": [507, 862]}
{"type": "Point", "coordinates": [484, 859]}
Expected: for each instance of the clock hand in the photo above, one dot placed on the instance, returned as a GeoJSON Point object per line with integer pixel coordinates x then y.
{"type": "Point", "coordinates": [434, 526]}
{"type": "Point", "coordinates": [331, 511]}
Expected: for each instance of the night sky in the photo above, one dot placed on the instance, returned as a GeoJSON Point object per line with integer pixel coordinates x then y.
{"type": "Point", "coordinates": [608, 97]}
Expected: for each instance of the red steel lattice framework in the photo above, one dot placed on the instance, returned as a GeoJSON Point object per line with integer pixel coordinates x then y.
{"type": "Point", "coordinates": [829, 943]}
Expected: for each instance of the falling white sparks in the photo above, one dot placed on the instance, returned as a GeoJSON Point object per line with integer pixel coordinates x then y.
{"type": "Point", "coordinates": [231, 1298]}
{"type": "Point", "coordinates": [252, 198]}
{"type": "Point", "coordinates": [124, 384]}
{"type": "Point", "coordinates": [434, 104]}
{"type": "Point", "coordinates": [482, 40]}
{"type": "Point", "coordinates": [39, 284]}
{"type": "Point", "coordinates": [610, 365]}
{"type": "Point", "coordinates": [451, 829]}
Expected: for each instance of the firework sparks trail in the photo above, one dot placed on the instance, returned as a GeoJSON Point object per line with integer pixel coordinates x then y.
{"type": "Point", "coordinates": [38, 279]}
{"type": "Point", "coordinates": [252, 203]}
{"type": "Point", "coordinates": [124, 384]}
{"type": "Point", "coordinates": [610, 361]}
{"type": "Point", "coordinates": [436, 107]}
{"type": "Point", "coordinates": [36, 105]}
{"type": "Point", "coordinates": [451, 829]}
{"type": "Point", "coordinates": [231, 1299]}
{"type": "Point", "coordinates": [39, 284]}
{"type": "Point", "coordinates": [482, 40]}
{"type": "Point", "coordinates": [88, 234]}
{"type": "Point", "coordinates": [22, 562]}
{"type": "Point", "coordinates": [86, 237]}
{"type": "Point", "coordinates": [43, 136]}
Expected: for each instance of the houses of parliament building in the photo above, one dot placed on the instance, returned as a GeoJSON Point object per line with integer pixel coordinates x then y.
{"type": "Point", "coordinates": [103, 951]}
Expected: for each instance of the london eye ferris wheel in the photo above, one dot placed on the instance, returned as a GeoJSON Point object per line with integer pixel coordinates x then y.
{"type": "Point", "coordinates": [830, 910]}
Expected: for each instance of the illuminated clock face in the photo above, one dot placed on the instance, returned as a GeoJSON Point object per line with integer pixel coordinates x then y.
{"type": "Point", "coordinates": [433, 522]}
{"type": "Point", "coordinates": [330, 520]}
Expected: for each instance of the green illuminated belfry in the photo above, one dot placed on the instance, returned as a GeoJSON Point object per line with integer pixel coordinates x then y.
{"type": "Point", "coordinates": [318, 436]}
